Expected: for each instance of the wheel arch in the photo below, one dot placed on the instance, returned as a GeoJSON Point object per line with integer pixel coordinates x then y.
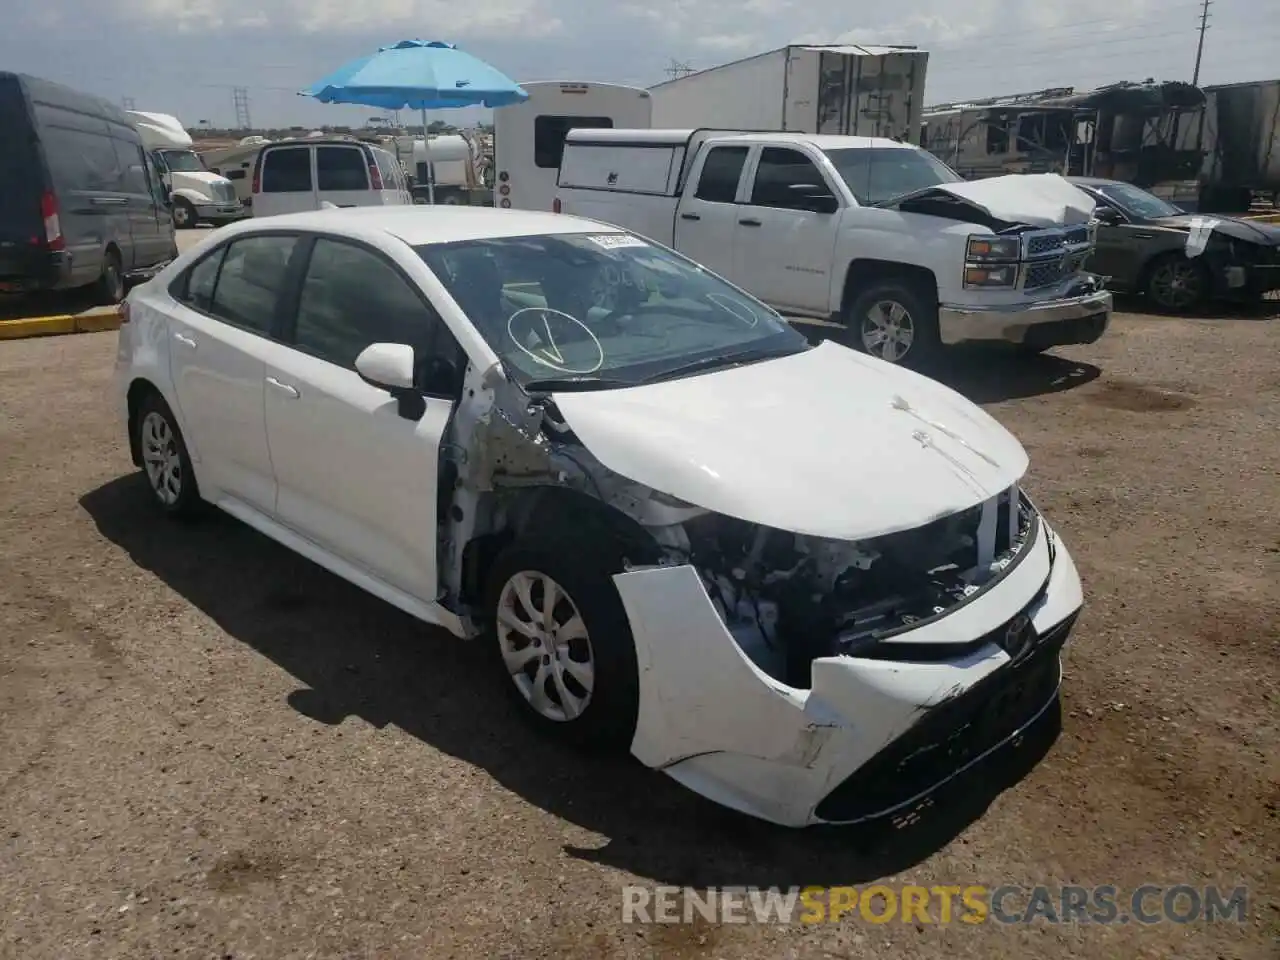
{"type": "Point", "coordinates": [548, 511]}
{"type": "Point", "coordinates": [864, 271]}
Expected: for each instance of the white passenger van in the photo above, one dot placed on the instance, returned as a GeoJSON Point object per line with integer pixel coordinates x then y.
{"type": "Point", "coordinates": [528, 138]}
{"type": "Point", "coordinates": [293, 176]}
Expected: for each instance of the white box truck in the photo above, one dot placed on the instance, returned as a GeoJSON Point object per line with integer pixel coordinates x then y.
{"type": "Point", "coordinates": [803, 88]}
{"type": "Point", "coordinates": [197, 194]}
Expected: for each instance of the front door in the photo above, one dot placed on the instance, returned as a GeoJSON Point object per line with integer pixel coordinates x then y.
{"type": "Point", "coordinates": [783, 249]}
{"type": "Point", "coordinates": [707, 218]}
{"type": "Point", "coordinates": [355, 477]}
{"type": "Point", "coordinates": [217, 338]}
{"type": "Point", "coordinates": [152, 240]}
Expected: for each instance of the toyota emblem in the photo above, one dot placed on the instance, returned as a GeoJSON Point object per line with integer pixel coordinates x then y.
{"type": "Point", "coordinates": [1018, 636]}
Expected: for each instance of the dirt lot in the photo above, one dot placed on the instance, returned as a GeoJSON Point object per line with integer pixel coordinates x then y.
{"type": "Point", "coordinates": [212, 748]}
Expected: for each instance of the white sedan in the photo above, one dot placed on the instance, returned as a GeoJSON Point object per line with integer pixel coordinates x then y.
{"type": "Point", "coordinates": [803, 582]}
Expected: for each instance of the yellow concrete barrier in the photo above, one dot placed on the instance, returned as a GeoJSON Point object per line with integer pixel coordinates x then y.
{"type": "Point", "coordinates": [59, 324]}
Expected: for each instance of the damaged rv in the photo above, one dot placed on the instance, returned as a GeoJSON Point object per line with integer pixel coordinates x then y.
{"type": "Point", "coordinates": [805, 583]}
{"type": "Point", "coordinates": [1145, 133]}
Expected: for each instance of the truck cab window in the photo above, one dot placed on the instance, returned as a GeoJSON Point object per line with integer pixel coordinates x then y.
{"type": "Point", "coordinates": [721, 171]}
{"type": "Point", "coordinates": [780, 176]}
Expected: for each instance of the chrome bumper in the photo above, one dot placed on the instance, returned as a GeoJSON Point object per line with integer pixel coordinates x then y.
{"type": "Point", "coordinates": [1081, 319]}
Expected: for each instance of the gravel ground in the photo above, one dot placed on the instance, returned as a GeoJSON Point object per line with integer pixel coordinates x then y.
{"type": "Point", "coordinates": [212, 748]}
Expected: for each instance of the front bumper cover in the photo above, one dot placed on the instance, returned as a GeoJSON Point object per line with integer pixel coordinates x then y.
{"type": "Point", "coordinates": [1080, 319]}
{"type": "Point", "coordinates": [871, 736]}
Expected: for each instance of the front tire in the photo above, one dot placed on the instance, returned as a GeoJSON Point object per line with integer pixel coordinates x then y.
{"type": "Point", "coordinates": [165, 461]}
{"type": "Point", "coordinates": [892, 321]}
{"type": "Point", "coordinates": [184, 214]}
{"type": "Point", "coordinates": [1176, 283]}
{"type": "Point", "coordinates": [561, 640]}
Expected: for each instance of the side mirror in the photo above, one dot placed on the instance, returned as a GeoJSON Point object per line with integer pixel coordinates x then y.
{"type": "Point", "coordinates": [387, 365]}
{"type": "Point", "coordinates": [1108, 215]}
{"type": "Point", "coordinates": [814, 197]}
{"type": "Point", "coordinates": [824, 204]}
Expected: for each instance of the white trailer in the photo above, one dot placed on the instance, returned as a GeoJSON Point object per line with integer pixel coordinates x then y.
{"type": "Point", "coordinates": [806, 88]}
{"type": "Point", "coordinates": [529, 137]}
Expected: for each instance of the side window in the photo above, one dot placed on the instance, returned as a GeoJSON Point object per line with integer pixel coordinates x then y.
{"type": "Point", "coordinates": [287, 170]}
{"type": "Point", "coordinates": [341, 168]}
{"type": "Point", "coordinates": [549, 133]}
{"type": "Point", "coordinates": [82, 160]}
{"type": "Point", "coordinates": [196, 289]}
{"type": "Point", "coordinates": [783, 177]}
{"type": "Point", "coordinates": [718, 182]}
{"type": "Point", "coordinates": [352, 297]}
{"type": "Point", "coordinates": [133, 165]}
{"type": "Point", "coordinates": [389, 170]}
{"type": "Point", "coordinates": [234, 174]}
{"type": "Point", "coordinates": [250, 281]}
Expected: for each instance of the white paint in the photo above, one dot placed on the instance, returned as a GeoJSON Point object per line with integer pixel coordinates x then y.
{"type": "Point", "coordinates": [387, 364]}
{"type": "Point", "coordinates": [1040, 199]}
{"type": "Point", "coordinates": [849, 465]}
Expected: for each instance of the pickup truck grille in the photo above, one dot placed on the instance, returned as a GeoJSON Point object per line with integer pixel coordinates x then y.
{"type": "Point", "coordinates": [1042, 243]}
{"type": "Point", "coordinates": [1047, 272]}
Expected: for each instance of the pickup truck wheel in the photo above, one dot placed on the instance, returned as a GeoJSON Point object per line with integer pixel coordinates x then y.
{"type": "Point", "coordinates": [894, 323]}
{"type": "Point", "coordinates": [560, 639]}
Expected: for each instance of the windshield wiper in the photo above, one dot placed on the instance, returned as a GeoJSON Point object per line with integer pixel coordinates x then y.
{"type": "Point", "coordinates": [723, 360]}
{"type": "Point", "coordinates": [583, 382]}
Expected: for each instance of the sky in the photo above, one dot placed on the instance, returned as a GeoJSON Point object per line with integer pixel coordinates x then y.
{"type": "Point", "coordinates": [184, 56]}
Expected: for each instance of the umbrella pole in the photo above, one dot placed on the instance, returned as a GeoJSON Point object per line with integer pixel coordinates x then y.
{"type": "Point", "coordinates": [426, 154]}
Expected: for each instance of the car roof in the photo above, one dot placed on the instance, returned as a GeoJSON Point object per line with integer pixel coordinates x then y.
{"type": "Point", "coordinates": [420, 223]}
{"type": "Point", "coordinates": [1094, 181]}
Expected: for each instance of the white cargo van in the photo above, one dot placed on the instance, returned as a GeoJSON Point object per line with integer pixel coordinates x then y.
{"type": "Point", "coordinates": [197, 193]}
{"type": "Point", "coordinates": [528, 137]}
{"type": "Point", "coordinates": [296, 175]}
{"type": "Point", "coordinates": [876, 236]}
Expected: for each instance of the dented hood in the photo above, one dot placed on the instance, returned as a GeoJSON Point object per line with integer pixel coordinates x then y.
{"type": "Point", "coordinates": [827, 442]}
{"type": "Point", "coordinates": [1037, 199]}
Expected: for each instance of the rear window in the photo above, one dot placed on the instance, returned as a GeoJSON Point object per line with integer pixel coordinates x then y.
{"type": "Point", "coordinates": [287, 170]}
{"type": "Point", "coordinates": [21, 180]}
{"type": "Point", "coordinates": [549, 133]}
{"type": "Point", "coordinates": [341, 168]}
{"type": "Point", "coordinates": [389, 168]}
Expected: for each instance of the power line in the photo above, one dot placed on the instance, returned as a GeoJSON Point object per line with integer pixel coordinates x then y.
{"type": "Point", "coordinates": [1204, 25]}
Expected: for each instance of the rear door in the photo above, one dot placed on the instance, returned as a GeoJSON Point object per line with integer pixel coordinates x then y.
{"type": "Point", "coordinates": [227, 315]}
{"type": "Point", "coordinates": [287, 184]}
{"type": "Point", "coordinates": [342, 177]}
{"type": "Point", "coordinates": [22, 183]}
{"type": "Point", "coordinates": [707, 218]}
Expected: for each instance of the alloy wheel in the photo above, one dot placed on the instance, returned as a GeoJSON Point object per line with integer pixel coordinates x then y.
{"type": "Point", "coordinates": [545, 646]}
{"type": "Point", "coordinates": [1176, 284]}
{"type": "Point", "coordinates": [161, 459]}
{"type": "Point", "coordinates": [888, 331]}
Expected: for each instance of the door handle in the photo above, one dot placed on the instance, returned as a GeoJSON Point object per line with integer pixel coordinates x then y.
{"type": "Point", "coordinates": [286, 389]}
{"type": "Point", "coordinates": [1143, 236]}
{"type": "Point", "coordinates": [689, 216]}
{"type": "Point", "coordinates": [185, 340]}
{"type": "Point", "coordinates": [108, 201]}
{"type": "Point", "coordinates": [751, 222]}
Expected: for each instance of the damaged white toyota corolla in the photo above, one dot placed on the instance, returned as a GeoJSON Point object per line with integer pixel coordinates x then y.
{"type": "Point", "coordinates": [803, 582]}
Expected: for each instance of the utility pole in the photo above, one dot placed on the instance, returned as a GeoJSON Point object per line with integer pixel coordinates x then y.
{"type": "Point", "coordinates": [1204, 25]}
{"type": "Point", "coordinates": [240, 97]}
{"type": "Point", "coordinates": [676, 69]}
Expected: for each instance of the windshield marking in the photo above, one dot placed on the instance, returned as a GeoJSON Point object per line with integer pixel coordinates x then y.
{"type": "Point", "coordinates": [615, 241]}
{"type": "Point", "coordinates": [734, 308]}
{"type": "Point", "coordinates": [541, 346]}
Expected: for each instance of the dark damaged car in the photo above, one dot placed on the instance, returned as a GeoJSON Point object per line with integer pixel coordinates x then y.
{"type": "Point", "coordinates": [1178, 260]}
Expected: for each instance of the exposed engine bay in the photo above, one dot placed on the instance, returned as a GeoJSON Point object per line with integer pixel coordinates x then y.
{"type": "Point", "coordinates": [789, 599]}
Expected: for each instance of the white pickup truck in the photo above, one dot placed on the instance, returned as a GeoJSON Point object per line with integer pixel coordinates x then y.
{"type": "Point", "coordinates": [877, 236]}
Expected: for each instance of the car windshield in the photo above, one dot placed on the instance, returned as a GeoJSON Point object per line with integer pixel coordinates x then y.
{"type": "Point", "coordinates": [1136, 202]}
{"type": "Point", "coordinates": [183, 161]}
{"type": "Point", "coordinates": [600, 310]}
{"type": "Point", "coordinates": [880, 174]}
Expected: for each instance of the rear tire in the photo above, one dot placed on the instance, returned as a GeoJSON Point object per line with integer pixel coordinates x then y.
{"type": "Point", "coordinates": [109, 288]}
{"type": "Point", "coordinates": [587, 647]}
{"type": "Point", "coordinates": [892, 321]}
{"type": "Point", "coordinates": [165, 461]}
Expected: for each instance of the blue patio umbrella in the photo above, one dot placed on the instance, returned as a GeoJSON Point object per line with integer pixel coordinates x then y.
{"type": "Point", "coordinates": [418, 75]}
